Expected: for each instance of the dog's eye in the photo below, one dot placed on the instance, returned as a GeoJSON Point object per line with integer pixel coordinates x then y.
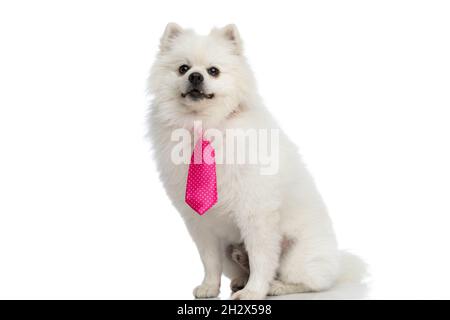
{"type": "Point", "coordinates": [183, 69]}
{"type": "Point", "coordinates": [213, 71]}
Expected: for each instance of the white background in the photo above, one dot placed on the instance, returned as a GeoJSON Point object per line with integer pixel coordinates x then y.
{"type": "Point", "coordinates": [361, 86]}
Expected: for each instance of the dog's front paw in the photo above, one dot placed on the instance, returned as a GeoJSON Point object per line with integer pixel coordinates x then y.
{"type": "Point", "coordinates": [206, 291]}
{"type": "Point", "coordinates": [246, 294]}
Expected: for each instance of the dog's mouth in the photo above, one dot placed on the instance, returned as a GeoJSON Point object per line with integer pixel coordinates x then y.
{"type": "Point", "coordinates": [197, 94]}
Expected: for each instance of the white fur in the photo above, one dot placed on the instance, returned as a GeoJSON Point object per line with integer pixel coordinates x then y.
{"type": "Point", "coordinates": [259, 210]}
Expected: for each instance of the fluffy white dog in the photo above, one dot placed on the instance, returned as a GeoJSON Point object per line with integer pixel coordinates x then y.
{"type": "Point", "coordinates": [269, 233]}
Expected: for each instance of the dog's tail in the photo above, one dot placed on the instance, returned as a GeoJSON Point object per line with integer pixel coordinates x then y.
{"type": "Point", "coordinates": [352, 269]}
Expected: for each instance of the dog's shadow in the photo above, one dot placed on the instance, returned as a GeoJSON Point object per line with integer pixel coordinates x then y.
{"type": "Point", "coordinates": [347, 291]}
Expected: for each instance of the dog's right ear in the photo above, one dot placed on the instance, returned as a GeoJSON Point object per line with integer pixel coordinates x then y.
{"type": "Point", "coordinates": [172, 31]}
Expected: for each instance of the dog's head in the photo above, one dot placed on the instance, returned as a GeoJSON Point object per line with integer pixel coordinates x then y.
{"type": "Point", "coordinates": [205, 76]}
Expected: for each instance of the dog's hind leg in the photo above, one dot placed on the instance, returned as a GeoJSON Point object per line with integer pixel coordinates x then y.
{"type": "Point", "coordinates": [236, 266]}
{"type": "Point", "coordinates": [240, 256]}
{"type": "Point", "coordinates": [278, 288]}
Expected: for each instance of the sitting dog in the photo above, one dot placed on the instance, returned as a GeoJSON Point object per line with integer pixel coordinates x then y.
{"type": "Point", "coordinates": [269, 233]}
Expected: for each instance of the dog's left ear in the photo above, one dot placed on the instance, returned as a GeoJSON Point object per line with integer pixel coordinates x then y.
{"type": "Point", "coordinates": [231, 33]}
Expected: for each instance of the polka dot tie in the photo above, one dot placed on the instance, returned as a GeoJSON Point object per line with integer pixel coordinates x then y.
{"type": "Point", "coordinates": [201, 186]}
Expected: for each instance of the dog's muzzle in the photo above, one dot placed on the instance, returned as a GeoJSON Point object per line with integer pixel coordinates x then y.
{"type": "Point", "coordinates": [197, 94]}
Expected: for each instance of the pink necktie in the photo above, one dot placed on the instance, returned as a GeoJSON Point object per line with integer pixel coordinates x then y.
{"type": "Point", "coordinates": [201, 186]}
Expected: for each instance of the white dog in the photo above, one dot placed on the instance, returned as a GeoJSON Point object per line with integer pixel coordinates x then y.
{"type": "Point", "coordinates": [269, 233]}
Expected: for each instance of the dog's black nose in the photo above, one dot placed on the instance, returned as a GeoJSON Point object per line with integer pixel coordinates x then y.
{"type": "Point", "coordinates": [195, 78]}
